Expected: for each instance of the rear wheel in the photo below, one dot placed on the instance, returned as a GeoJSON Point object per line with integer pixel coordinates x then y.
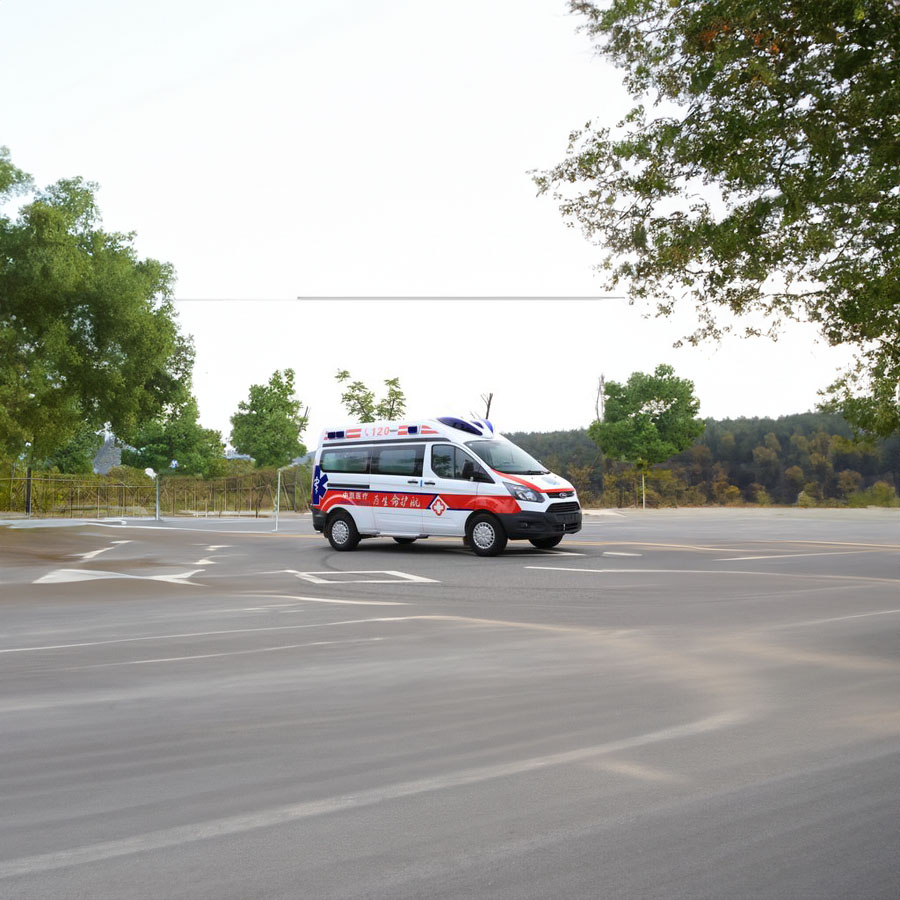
{"type": "Point", "coordinates": [341, 531]}
{"type": "Point", "coordinates": [485, 535]}
{"type": "Point", "coordinates": [405, 540]}
{"type": "Point", "coordinates": [545, 543]}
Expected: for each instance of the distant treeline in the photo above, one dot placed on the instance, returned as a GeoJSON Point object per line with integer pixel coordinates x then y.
{"type": "Point", "coordinates": [808, 460]}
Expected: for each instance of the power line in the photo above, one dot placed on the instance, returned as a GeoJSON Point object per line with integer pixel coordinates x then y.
{"type": "Point", "coordinates": [346, 297]}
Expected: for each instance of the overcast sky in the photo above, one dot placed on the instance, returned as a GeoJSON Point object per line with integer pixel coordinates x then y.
{"type": "Point", "coordinates": [374, 148]}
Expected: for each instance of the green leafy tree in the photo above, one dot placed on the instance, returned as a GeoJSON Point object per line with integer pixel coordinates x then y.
{"type": "Point", "coordinates": [268, 425]}
{"type": "Point", "coordinates": [178, 437]}
{"type": "Point", "coordinates": [766, 178]}
{"type": "Point", "coordinates": [77, 456]}
{"type": "Point", "coordinates": [648, 419]}
{"type": "Point", "coordinates": [88, 334]}
{"type": "Point", "coordinates": [360, 403]}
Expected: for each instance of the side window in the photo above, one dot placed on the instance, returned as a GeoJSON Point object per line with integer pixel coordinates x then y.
{"type": "Point", "coordinates": [452, 462]}
{"type": "Point", "coordinates": [443, 460]}
{"type": "Point", "coordinates": [353, 460]}
{"type": "Point", "coordinates": [467, 468]}
{"type": "Point", "coordinates": [398, 460]}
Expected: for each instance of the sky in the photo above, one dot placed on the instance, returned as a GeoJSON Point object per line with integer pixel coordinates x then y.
{"type": "Point", "coordinates": [373, 149]}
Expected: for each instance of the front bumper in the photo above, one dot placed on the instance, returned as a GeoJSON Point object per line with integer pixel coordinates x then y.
{"type": "Point", "coordinates": [552, 522]}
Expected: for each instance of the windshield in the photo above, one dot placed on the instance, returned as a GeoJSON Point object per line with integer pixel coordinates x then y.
{"type": "Point", "coordinates": [506, 457]}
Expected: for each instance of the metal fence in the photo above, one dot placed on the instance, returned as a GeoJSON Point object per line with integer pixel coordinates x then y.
{"type": "Point", "coordinates": [62, 496]}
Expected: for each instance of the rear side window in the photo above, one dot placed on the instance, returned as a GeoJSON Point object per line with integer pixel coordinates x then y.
{"type": "Point", "coordinates": [354, 460]}
{"type": "Point", "coordinates": [406, 460]}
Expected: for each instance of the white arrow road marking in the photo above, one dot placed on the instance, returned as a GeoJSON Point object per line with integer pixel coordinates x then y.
{"type": "Point", "coordinates": [92, 553]}
{"type": "Point", "coordinates": [63, 576]}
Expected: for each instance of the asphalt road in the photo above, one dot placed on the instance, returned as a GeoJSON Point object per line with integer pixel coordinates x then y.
{"type": "Point", "coordinates": [679, 704]}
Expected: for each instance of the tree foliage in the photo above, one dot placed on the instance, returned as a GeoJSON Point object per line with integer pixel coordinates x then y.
{"type": "Point", "coordinates": [178, 438]}
{"type": "Point", "coordinates": [88, 334]}
{"type": "Point", "coordinates": [810, 459]}
{"type": "Point", "coordinates": [767, 179]}
{"type": "Point", "coordinates": [268, 425]}
{"type": "Point", "coordinates": [649, 418]}
{"type": "Point", "coordinates": [360, 403]}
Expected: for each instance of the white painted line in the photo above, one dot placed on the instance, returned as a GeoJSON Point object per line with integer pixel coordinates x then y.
{"type": "Point", "coordinates": [612, 553]}
{"type": "Point", "coordinates": [326, 600]}
{"type": "Point", "coordinates": [790, 555]}
{"type": "Point", "coordinates": [880, 612]}
{"type": "Point", "coordinates": [179, 835]}
{"type": "Point", "coordinates": [204, 562]}
{"type": "Point", "coordinates": [193, 634]}
{"type": "Point", "coordinates": [121, 542]}
{"type": "Point", "coordinates": [802, 575]}
{"type": "Point", "coordinates": [92, 553]}
{"type": "Point", "coordinates": [560, 553]}
{"type": "Point", "coordinates": [65, 576]}
{"type": "Point", "coordinates": [337, 577]}
{"type": "Point", "coordinates": [212, 547]}
{"type": "Point", "coordinates": [165, 659]}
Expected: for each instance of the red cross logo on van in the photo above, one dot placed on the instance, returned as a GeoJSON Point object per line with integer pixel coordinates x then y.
{"type": "Point", "coordinates": [438, 506]}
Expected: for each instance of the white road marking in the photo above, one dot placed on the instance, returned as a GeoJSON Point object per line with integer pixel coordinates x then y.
{"type": "Point", "coordinates": [179, 835]}
{"type": "Point", "coordinates": [326, 600]}
{"type": "Point", "coordinates": [559, 553]}
{"type": "Point", "coordinates": [121, 542]}
{"type": "Point", "coordinates": [92, 553]}
{"type": "Point", "coordinates": [613, 553]}
{"type": "Point", "coordinates": [191, 634]}
{"type": "Point", "coordinates": [879, 612]}
{"type": "Point", "coordinates": [336, 577]}
{"type": "Point", "coordinates": [806, 575]}
{"type": "Point", "coordinates": [204, 562]}
{"type": "Point", "coordinates": [63, 576]}
{"type": "Point", "coordinates": [165, 659]}
{"type": "Point", "coordinates": [790, 555]}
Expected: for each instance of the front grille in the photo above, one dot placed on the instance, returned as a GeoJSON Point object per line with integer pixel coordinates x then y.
{"type": "Point", "coordinates": [564, 507]}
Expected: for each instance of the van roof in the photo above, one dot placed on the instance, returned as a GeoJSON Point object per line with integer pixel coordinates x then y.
{"type": "Point", "coordinates": [449, 427]}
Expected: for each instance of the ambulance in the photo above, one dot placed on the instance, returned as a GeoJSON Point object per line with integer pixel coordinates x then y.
{"type": "Point", "coordinates": [445, 476]}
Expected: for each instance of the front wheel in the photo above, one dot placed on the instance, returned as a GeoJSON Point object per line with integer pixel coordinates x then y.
{"type": "Point", "coordinates": [485, 535]}
{"type": "Point", "coordinates": [545, 543]}
{"type": "Point", "coordinates": [341, 531]}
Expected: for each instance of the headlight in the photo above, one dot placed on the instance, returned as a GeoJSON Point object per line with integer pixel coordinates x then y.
{"type": "Point", "coordinates": [520, 492]}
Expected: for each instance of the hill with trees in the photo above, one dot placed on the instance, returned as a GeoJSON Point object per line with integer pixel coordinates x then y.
{"type": "Point", "coordinates": [809, 459]}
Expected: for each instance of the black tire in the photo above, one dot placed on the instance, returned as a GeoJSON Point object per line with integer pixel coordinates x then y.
{"type": "Point", "coordinates": [341, 531]}
{"type": "Point", "coordinates": [545, 543]}
{"type": "Point", "coordinates": [405, 540]}
{"type": "Point", "coordinates": [485, 535]}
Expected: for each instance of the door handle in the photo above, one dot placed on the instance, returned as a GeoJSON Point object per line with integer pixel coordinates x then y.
{"type": "Point", "coordinates": [413, 481]}
{"type": "Point", "coordinates": [427, 482]}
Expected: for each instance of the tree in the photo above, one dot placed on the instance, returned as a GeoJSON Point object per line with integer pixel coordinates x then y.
{"type": "Point", "coordinates": [77, 456]}
{"type": "Point", "coordinates": [359, 400]}
{"type": "Point", "coordinates": [88, 334]}
{"type": "Point", "coordinates": [178, 437]}
{"type": "Point", "coordinates": [648, 419]}
{"type": "Point", "coordinates": [268, 425]}
{"type": "Point", "coordinates": [767, 181]}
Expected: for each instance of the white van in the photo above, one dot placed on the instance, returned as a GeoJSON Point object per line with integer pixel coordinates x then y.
{"type": "Point", "coordinates": [445, 476]}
